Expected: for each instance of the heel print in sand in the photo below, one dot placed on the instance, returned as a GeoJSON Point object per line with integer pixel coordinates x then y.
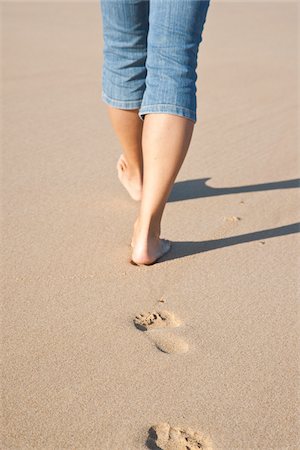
{"type": "Point", "coordinates": [155, 324]}
{"type": "Point", "coordinates": [165, 437]}
{"type": "Point", "coordinates": [168, 343]}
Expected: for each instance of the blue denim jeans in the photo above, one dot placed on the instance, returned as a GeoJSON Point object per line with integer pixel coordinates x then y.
{"type": "Point", "coordinates": [150, 54]}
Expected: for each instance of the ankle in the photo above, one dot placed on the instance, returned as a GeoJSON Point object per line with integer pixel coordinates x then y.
{"type": "Point", "coordinates": [147, 229]}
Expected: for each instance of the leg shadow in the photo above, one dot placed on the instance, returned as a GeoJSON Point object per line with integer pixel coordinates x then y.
{"type": "Point", "coordinates": [181, 249]}
{"type": "Point", "coordinates": [189, 189]}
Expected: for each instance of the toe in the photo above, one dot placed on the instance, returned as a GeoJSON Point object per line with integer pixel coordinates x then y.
{"type": "Point", "coordinates": [121, 163]}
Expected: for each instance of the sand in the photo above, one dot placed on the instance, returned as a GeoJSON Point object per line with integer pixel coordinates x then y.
{"type": "Point", "coordinates": [77, 372]}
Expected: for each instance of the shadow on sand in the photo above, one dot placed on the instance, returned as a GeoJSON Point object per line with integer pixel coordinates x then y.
{"type": "Point", "coordinates": [186, 248]}
{"type": "Point", "coordinates": [189, 189]}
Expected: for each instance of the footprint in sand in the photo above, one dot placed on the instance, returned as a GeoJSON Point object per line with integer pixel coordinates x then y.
{"type": "Point", "coordinates": [165, 437]}
{"type": "Point", "coordinates": [156, 319]}
{"type": "Point", "coordinates": [155, 323]}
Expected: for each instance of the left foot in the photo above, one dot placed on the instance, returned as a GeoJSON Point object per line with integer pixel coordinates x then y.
{"type": "Point", "coordinates": [131, 182]}
{"type": "Point", "coordinates": [147, 251]}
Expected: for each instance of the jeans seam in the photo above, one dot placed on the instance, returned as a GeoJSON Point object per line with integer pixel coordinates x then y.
{"type": "Point", "coordinates": [168, 104]}
{"type": "Point", "coordinates": [121, 101]}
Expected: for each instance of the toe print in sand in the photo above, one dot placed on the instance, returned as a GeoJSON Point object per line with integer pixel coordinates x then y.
{"type": "Point", "coordinates": [156, 319]}
{"type": "Point", "coordinates": [155, 324]}
{"type": "Point", "coordinates": [165, 437]}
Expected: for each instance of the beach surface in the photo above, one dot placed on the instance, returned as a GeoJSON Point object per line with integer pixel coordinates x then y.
{"type": "Point", "coordinates": [77, 371]}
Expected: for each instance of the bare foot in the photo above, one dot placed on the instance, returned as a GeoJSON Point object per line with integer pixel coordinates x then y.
{"type": "Point", "coordinates": [150, 252]}
{"type": "Point", "coordinates": [147, 251]}
{"type": "Point", "coordinates": [131, 182]}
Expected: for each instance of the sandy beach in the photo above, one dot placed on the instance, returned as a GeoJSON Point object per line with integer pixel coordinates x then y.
{"type": "Point", "coordinates": [77, 371]}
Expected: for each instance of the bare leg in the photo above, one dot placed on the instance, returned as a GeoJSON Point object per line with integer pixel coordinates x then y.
{"type": "Point", "coordinates": [128, 128]}
{"type": "Point", "coordinates": [165, 142]}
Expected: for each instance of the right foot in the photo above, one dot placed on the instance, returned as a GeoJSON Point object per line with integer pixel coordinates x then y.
{"type": "Point", "coordinates": [132, 183]}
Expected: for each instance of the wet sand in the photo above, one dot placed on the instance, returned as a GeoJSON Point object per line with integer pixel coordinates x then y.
{"type": "Point", "coordinates": [78, 374]}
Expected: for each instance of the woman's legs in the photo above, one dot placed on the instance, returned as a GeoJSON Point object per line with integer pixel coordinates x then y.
{"type": "Point", "coordinates": [165, 142]}
{"type": "Point", "coordinates": [154, 151]}
{"type": "Point", "coordinates": [128, 128]}
{"type": "Point", "coordinates": [156, 72]}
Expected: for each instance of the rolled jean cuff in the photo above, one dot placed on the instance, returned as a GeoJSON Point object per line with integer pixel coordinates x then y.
{"type": "Point", "coordinates": [122, 104]}
{"type": "Point", "coordinates": [168, 109]}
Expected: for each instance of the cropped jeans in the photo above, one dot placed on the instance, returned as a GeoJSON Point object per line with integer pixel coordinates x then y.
{"type": "Point", "coordinates": [150, 55]}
